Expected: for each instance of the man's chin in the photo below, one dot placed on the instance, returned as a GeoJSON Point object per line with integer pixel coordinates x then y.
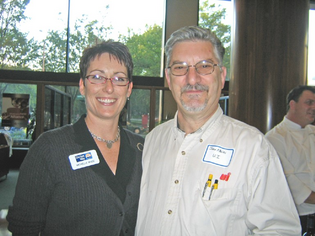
{"type": "Point", "coordinates": [193, 107]}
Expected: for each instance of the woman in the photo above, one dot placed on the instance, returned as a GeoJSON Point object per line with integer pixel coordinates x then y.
{"type": "Point", "coordinates": [83, 179]}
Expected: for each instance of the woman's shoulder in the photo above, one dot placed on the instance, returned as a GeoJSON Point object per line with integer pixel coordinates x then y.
{"type": "Point", "coordinates": [134, 136]}
{"type": "Point", "coordinates": [135, 140]}
{"type": "Point", "coordinates": [58, 134]}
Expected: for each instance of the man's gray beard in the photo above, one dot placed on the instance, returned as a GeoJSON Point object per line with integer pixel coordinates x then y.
{"type": "Point", "coordinates": [192, 108]}
{"type": "Point", "coordinates": [195, 87]}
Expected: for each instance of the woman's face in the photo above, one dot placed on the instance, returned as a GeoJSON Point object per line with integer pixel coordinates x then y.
{"type": "Point", "coordinates": [105, 101]}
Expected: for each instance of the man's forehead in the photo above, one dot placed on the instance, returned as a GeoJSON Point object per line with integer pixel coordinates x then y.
{"type": "Point", "coordinates": [193, 50]}
{"type": "Point", "coordinates": [205, 45]}
{"type": "Point", "coordinates": [308, 94]}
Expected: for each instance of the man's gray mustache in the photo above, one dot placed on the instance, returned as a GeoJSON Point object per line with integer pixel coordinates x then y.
{"type": "Point", "coordinates": [189, 87]}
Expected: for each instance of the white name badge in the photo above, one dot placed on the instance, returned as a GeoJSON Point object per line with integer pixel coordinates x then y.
{"type": "Point", "coordinates": [218, 155]}
{"type": "Point", "coordinates": [83, 159]}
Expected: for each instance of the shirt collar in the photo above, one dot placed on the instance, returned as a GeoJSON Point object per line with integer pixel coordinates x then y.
{"type": "Point", "coordinates": [218, 113]}
{"type": "Point", "coordinates": [292, 125]}
{"type": "Point", "coordinates": [296, 127]}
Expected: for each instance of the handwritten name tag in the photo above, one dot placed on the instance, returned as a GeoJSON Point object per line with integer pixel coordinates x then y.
{"type": "Point", "coordinates": [218, 155]}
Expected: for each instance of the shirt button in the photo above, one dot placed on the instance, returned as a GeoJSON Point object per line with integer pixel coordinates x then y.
{"type": "Point", "coordinates": [169, 212]}
{"type": "Point", "coordinates": [183, 152]}
{"type": "Point", "coordinates": [176, 181]}
{"type": "Point", "coordinates": [201, 140]}
{"type": "Point", "coordinates": [126, 231]}
{"type": "Point", "coordinates": [121, 213]}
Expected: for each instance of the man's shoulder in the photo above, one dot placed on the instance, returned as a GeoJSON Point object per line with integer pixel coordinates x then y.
{"type": "Point", "coordinates": [311, 128]}
{"type": "Point", "coordinates": [161, 130]}
{"type": "Point", "coordinates": [279, 131]}
{"type": "Point", "coordinates": [164, 126]}
{"type": "Point", "coordinates": [240, 126]}
{"type": "Point", "coordinates": [277, 136]}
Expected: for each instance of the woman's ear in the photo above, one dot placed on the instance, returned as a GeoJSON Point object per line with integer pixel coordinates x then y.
{"type": "Point", "coordinates": [82, 87]}
{"type": "Point", "coordinates": [130, 86]}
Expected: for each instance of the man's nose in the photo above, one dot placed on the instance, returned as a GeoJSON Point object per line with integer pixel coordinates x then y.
{"type": "Point", "coordinates": [193, 77]}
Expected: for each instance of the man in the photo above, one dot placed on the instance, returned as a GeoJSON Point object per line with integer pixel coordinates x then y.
{"type": "Point", "coordinates": [294, 140]}
{"type": "Point", "coordinates": [206, 173]}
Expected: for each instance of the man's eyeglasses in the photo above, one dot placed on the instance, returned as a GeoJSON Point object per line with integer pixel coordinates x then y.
{"type": "Point", "coordinates": [203, 68]}
{"type": "Point", "coordinates": [99, 79]}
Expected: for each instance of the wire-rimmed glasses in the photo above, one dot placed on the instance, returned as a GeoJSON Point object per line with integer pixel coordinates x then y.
{"type": "Point", "coordinates": [202, 67]}
{"type": "Point", "coordinates": [99, 79]}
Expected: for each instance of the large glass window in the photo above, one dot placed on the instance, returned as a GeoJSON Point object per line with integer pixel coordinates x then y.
{"type": "Point", "coordinates": [311, 46]}
{"type": "Point", "coordinates": [38, 37]}
{"type": "Point", "coordinates": [21, 135]}
{"type": "Point", "coordinates": [57, 110]}
{"type": "Point", "coordinates": [138, 111]}
{"type": "Point", "coordinates": [217, 16]}
{"type": "Point", "coordinates": [143, 104]}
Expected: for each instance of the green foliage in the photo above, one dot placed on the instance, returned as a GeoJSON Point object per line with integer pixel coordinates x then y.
{"type": "Point", "coordinates": [146, 50]}
{"type": "Point", "coordinates": [85, 34]}
{"type": "Point", "coordinates": [211, 18]}
{"type": "Point", "coordinates": [54, 48]}
{"type": "Point", "coordinates": [54, 52]}
{"type": "Point", "coordinates": [16, 52]}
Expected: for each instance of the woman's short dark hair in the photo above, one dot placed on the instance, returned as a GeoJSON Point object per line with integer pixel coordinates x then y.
{"type": "Point", "coordinates": [295, 93]}
{"type": "Point", "coordinates": [116, 49]}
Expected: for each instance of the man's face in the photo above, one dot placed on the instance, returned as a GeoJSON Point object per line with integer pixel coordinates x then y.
{"type": "Point", "coordinates": [195, 94]}
{"type": "Point", "coordinates": [304, 109]}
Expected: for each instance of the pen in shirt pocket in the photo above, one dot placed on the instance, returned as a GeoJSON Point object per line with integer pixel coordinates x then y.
{"type": "Point", "coordinates": [207, 184]}
{"type": "Point", "coordinates": [214, 186]}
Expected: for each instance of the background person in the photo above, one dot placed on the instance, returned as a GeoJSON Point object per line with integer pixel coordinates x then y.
{"type": "Point", "coordinates": [294, 140]}
{"type": "Point", "coordinates": [248, 193]}
{"type": "Point", "coordinates": [84, 179]}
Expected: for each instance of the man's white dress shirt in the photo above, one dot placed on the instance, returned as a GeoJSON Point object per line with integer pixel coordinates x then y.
{"type": "Point", "coordinates": [252, 195]}
{"type": "Point", "coordinates": [296, 149]}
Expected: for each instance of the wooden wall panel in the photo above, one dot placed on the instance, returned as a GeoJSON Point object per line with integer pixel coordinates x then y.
{"type": "Point", "coordinates": [269, 54]}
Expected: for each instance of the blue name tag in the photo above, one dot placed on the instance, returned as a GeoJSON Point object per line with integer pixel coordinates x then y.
{"type": "Point", "coordinates": [83, 157]}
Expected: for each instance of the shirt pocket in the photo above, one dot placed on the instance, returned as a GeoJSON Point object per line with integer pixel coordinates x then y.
{"type": "Point", "coordinates": [219, 194]}
{"type": "Point", "coordinates": [225, 198]}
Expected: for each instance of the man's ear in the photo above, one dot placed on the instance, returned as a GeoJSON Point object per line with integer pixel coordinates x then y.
{"type": "Point", "coordinates": [292, 105]}
{"type": "Point", "coordinates": [168, 79]}
{"type": "Point", "coordinates": [223, 76]}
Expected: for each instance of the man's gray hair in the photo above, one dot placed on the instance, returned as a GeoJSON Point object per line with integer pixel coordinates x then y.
{"type": "Point", "coordinates": [194, 33]}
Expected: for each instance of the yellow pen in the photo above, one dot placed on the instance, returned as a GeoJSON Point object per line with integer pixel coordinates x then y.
{"type": "Point", "coordinates": [207, 184]}
{"type": "Point", "coordinates": [214, 186]}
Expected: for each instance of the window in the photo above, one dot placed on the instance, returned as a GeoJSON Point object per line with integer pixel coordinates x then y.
{"type": "Point", "coordinates": [22, 136]}
{"type": "Point", "coordinates": [38, 37]}
{"type": "Point", "coordinates": [217, 16]}
{"type": "Point", "coordinates": [57, 108]}
{"type": "Point", "coordinates": [41, 37]}
{"type": "Point", "coordinates": [144, 103]}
